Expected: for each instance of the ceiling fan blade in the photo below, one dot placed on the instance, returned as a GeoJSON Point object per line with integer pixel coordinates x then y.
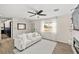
{"type": "Point", "coordinates": [31, 15]}
{"type": "Point", "coordinates": [31, 12]}
{"type": "Point", "coordinates": [42, 14]}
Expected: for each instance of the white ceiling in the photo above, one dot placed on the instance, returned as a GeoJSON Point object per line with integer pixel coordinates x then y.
{"type": "Point", "coordinates": [20, 10]}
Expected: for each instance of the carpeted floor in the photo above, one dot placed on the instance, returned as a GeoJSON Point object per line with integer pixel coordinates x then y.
{"type": "Point", "coordinates": [41, 47]}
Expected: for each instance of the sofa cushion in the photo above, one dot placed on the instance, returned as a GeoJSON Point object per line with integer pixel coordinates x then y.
{"type": "Point", "coordinates": [33, 35]}
{"type": "Point", "coordinates": [29, 36]}
{"type": "Point", "coordinates": [20, 36]}
{"type": "Point", "coordinates": [25, 36]}
{"type": "Point", "coordinates": [36, 34]}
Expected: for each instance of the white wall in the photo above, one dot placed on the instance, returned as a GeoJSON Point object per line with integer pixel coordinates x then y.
{"type": "Point", "coordinates": [64, 29]}
{"type": "Point", "coordinates": [15, 31]}
{"type": "Point", "coordinates": [38, 28]}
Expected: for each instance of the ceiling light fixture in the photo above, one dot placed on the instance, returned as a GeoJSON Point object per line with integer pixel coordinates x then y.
{"type": "Point", "coordinates": [56, 10]}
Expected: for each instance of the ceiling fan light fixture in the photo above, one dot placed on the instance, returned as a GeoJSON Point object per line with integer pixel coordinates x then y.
{"type": "Point", "coordinates": [39, 13]}
{"type": "Point", "coordinates": [56, 10]}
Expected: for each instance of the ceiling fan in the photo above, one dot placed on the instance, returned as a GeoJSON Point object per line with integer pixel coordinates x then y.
{"type": "Point", "coordinates": [36, 12]}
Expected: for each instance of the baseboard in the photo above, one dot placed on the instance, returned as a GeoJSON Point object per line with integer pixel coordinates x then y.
{"type": "Point", "coordinates": [55, 41]}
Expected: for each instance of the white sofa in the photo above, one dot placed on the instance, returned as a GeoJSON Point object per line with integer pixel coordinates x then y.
{"type": "Point", "coordinates": [25, 40]}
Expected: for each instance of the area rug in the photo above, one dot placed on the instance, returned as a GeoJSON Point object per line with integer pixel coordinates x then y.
{"type": "Point", "coordinates": [42, 47]}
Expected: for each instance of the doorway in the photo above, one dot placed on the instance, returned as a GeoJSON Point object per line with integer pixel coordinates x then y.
{"type": "Point", "coordinates": [6, 30]}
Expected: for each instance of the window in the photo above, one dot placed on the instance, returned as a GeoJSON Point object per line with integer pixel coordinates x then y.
{"type": "Point", "coordinates": [49, 26]}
